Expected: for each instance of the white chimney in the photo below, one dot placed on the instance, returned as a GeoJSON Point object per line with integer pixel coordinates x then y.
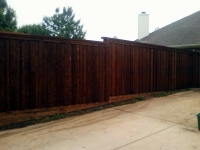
{"type": "Point", "coordinates": [143, 25]}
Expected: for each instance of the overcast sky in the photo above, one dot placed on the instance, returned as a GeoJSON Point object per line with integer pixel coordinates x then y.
{"type": "Point", "coordinates": [108, 18]}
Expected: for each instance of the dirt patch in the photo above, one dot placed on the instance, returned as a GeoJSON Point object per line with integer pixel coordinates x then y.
{"type": "Point", "coordinates": [83, 111]}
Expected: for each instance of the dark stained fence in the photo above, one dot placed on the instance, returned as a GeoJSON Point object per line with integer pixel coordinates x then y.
{"type": "Point", "coordinates": [141, 68]}
{"type": "Point", "coordinates": [44, 72]}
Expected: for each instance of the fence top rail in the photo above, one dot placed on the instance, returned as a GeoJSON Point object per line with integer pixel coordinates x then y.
{"type": "Point", "coordinates": [105, 43]}
{"type": "Point", "coordinates": [145, 45]}
{"type": "Point", "coordinates": [23, 36]}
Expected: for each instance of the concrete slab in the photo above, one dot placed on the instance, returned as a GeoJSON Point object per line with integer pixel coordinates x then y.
{"type": "Point", "coordinates": [191, 122]}
{"type": "Point", "coordinates": [159, 123]}
{"type": "Point", "coordinates": [178, 137]}
{"type": "Point", "coordinates": [174, 108]}
{"type": "Point", "coordinates": [110, 129]}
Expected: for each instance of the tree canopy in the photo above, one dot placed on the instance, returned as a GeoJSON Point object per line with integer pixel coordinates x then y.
{"type": "Point", "coordinates": [64, 25]}
{"type": "Point", "coordinates": [8, 19]}
{"type": "Point", "coordinates": [36, 29]}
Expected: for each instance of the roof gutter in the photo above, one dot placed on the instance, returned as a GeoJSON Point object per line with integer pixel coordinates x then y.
{"type": "Point", "coordinates": [185, 46]}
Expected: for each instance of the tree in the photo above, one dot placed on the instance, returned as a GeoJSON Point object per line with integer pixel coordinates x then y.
{"type": "Point", "coordinates": [64, 25]}
{"type": "Point", "coordinates": [8, 19]}
{"type": "Point", "coordinates": [36, 29]}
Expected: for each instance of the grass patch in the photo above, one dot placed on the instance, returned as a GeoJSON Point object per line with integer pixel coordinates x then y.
{"type": "Point", "coordinates": [166, 93]}
{"type": "Point", "coordinates": [140, 98]}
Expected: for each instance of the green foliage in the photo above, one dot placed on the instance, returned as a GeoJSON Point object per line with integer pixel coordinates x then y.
{"type": "Point", "coordinates": [64, 25]}
{"type": "Point", "coordinates": [8, 19]}
{"type": "Point", "coordinates": [68, 114]}
{"type": "Point", "coordinates": [3, 4]}
{"type": "Point", "coordinates": [140, 98]}
{"type": "Point", "coordinates": [36, 29]}
{"type": "Point", "coordinates": [166, 93]}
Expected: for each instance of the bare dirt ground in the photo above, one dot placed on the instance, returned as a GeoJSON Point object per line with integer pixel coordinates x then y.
{"type": "Point", "coordinates": [159, 123]}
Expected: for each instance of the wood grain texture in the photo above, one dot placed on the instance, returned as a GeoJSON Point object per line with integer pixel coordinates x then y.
{"type": "Point", "coordinates": [44, 72]}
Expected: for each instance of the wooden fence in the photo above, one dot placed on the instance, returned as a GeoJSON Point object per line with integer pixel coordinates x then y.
{"type": "Point", "coordinates": [141, 68]}
{"type": "Point", "coordinates": [44, 72]}
{"type": "Point", "coordinates": [41, 72]}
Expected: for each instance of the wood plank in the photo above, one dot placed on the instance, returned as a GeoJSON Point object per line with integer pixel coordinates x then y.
{"type": "Point", "coordinates": [187, 62]}
{"type": "Point", "coordinates": [140, 71]}
{"type": "Point", "coordinates": [160, 75]}
{"type": "Point", "coordinates": [14, 75]}
{"type": "Point", "coordinates": [90, 71]}
{"type": "Point", "coordinates": [68, 74]}
{"type": "Point", "coordinates": [59, 72]}
{"type": "Point", "coordinates": [113, 69]}
{"type": "Point", "coordinates": [75, 74]}
{"type": "Point", "coordinates": [3, 77]}
{"type": "Point", "coordinates": [190, 69]}
{"type": "Point", "coordinates": [144, 68]}
{"type": "Point", "coordinates": [62, 70]}
{"type": "Point", "coordinates": [45, 74]}
{"type": "Point", "coordinates": [131, 69]}
{"type": "Point", "coordinates": [60, 82]}
{"type": "Point", "coordinates": [183, 70]}
{"type": "Point", "coordinates": [163, 69]}
{"type": "Point", "coordinates": [8, 74]}
{"type": "Point", "coordinates": [151, 70]}
{"type": "Point", "coordinates": [174, 69]}
{"type": "Point", "coordinates": [34, 76]}
{"type": "Point", "coordinates": [148, 67]}
{"type": "Point", "coordinates": [155, 69]}
{"type": "Point", "coordinates": [25, 99]}
{"type": "Point", "coordinates": [198, 70]}
{"type": "Point", "coordinates": [102, 72]}
{"type": "Point", "coordinates": [182, 75]}
{"type": "Point", "coordinates": [136, 68]}
{"type": "Point", "coordinates": [82, 82]}
{"type": "Point", "coordinates": [41, 73]}
{"type": "Point", "coordinates": [178, 71]}
{"type": "Point", "coordinates": [54, 74]}
{"type": "Point", "coordinates": [186, 70]}
{"type": "Point", "coordinates": [50, 74]}
{"type": "Point", "coordinates": [93, 68]}
{"type": "Point", "coordinates": [108, 73]}
{"type": "Point", "coordinates": [133, 48]}
{"type": "Point", "coordinates": [51, 79]}
{"type": "Point", "coordinates": [170, 69]}
{"type": "Point", "coordinates": [96, 74]}
{"type": "Point", "coordinates": [118, 70]}
{"type": "Point", "coordinates": [123, 70]}
{"type": "Point", "coordinates": [128, 70]}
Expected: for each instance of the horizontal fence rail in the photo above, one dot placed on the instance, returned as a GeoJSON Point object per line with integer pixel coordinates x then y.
{"type": "Point", "coordinates": [44, 72]}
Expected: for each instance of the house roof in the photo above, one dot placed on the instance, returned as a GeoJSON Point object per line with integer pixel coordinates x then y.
{"type": "Point", "coordinates": [185, 31]}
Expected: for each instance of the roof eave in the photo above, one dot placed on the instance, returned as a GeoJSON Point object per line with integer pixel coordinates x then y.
{"type": "Point", "coordinates": [186, 46]}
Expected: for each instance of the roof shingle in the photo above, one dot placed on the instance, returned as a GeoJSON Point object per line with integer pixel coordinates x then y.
{"type": "Point", "coordinates": [182, 32]}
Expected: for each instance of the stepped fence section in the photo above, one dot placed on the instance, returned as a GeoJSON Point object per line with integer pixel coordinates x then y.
{"type": "Point", "coordinates": [44, 72]}
{"type": "Point", "coordinates": [142, 68]}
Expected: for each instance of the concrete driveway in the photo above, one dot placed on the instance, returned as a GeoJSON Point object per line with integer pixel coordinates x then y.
{"type": "Point", "coordinates": [167, 123]}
